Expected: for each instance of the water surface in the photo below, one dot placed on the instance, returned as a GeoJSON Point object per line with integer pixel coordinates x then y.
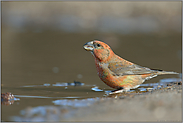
{"type": "Point", "coordinates": [36, 66]}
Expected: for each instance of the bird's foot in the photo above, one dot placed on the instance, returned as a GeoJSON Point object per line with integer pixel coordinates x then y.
{"type": "Point", "coordinates": [120, 90]}
{"type": "Point", "coordinates": [115, 92]}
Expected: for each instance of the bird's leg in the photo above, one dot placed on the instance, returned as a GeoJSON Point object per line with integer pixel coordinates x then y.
{"type": "Point", "coordinates": [119, 90]}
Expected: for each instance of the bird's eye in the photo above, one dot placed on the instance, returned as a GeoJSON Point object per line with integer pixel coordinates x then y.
{"type": "Point", "coordinates": [98, 45]}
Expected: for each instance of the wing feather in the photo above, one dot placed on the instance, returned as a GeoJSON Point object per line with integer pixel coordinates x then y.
{"type": "Point", "coordinates": [119, 69]}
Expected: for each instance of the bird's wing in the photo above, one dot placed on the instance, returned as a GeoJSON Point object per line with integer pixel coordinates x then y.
{"type": "Point", "coordinates": [119, 69]}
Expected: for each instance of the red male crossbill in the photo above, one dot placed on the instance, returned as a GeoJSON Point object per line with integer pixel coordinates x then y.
{"type": "Point", "coordinates": [117, 72]}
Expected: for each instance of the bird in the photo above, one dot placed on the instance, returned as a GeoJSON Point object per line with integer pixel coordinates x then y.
{"type": "Point", "coordinates": [115, 71]}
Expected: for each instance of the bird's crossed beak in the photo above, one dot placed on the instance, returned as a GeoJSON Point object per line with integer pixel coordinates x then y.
{"type": "Point", "coordinates": [88, 46]}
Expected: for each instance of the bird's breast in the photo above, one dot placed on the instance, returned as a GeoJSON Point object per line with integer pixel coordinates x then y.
{"type": "Point", "coordinates": [103, 71]}
{"type": "Point", "coordinates": [106, 76]}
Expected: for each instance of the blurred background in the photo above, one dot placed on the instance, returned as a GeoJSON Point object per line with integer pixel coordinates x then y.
{"type": "Point", "coordinates": [42, 42]}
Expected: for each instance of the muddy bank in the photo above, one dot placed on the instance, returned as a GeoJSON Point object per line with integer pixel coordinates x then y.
{"type": "Point", "coordinates": [158, 105]}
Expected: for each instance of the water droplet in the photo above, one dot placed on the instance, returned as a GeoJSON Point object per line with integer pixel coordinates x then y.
{"type": "Point", "coordinates": [55, 69]}
{"type": "Point", "coordinates": [79, 76]}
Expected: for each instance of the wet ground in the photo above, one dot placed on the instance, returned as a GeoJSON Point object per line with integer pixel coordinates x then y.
{"type": "Point", "coordinates": [46, 71]}
{"type": "Point", "coordinates": [161, 103]}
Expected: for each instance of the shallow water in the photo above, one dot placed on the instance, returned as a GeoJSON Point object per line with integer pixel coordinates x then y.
{"type": "Point", "coordinates": [62, 108]}
{"type": "Point", "coordinates": [37, 67]}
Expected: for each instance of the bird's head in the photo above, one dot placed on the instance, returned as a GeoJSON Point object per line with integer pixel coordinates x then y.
{"type": "Point", "coordinates": [99, 50]}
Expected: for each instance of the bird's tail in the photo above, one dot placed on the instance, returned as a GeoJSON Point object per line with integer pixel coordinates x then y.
{"type": "Point", "coordinates": [167, 72]}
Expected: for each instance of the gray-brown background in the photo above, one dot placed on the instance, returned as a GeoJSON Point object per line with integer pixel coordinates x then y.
{"type": "Point", "coordinates": [42, 42]}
